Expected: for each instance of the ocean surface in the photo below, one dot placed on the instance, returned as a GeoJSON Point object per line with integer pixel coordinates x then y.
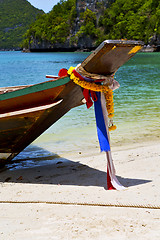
{"type": "Point", "coordinates": [136, 104]}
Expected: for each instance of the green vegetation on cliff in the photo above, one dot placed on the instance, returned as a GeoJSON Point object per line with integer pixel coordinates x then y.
{"type": "Point", "coordinates": [55, 26]}
{"type": "Point", "coordinates": [88, 25]}
{"type": "Point", "coordinates": [15, 18]}
{"type": "Point", "coordinates": [131, 19]}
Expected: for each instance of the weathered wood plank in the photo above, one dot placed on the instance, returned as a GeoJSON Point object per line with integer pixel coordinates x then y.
{"type": "Point", "coordinates": [35, 88]}
{"type": "Point", "coordinates": [30, 100]}
{"type": "Point", "coordinates": [50, 116]}
{"type": "Point", "coordinates": [13, 128]}
{"type": "Point", "coordinates": [110, 55]}
{"type": "Point", "coordinates": [18, 129]}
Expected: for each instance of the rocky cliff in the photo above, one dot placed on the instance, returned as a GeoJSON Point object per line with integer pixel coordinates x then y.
{"type": "Point", "coordinates": [84, 25]}
{"type": "Point", "coordinates": [76, 39]}
{"type": "Point", "coordinates": [96, 6]}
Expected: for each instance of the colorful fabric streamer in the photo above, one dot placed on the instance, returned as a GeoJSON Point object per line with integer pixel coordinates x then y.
{"type": "Point", "coordinates": [101, 126]}
{"type": "Point", "coordinates": [112, 181]}
{"type": "Point", "coordinates": [101, 115]}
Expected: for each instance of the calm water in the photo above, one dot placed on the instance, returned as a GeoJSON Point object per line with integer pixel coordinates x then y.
{"type": "Point", "coordinates": [137, 102]}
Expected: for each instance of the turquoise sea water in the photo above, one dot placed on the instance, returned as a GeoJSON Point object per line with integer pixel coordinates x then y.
{"type": "Point", "coordinates": [137, 101]}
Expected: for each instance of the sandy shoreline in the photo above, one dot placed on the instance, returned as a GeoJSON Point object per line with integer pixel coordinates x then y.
{"type": "Point", "coordinates": [28, 197]}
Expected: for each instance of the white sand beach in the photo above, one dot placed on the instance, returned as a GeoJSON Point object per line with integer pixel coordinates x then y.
{"type": "Point", "coordinates": [68, 200]}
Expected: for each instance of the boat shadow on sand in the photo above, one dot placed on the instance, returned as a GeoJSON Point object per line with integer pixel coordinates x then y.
{"type": "Point", "coordinates": [38, 166]}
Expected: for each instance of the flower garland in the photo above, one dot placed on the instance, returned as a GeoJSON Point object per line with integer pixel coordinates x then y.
{"type": "Point", "coordinates": [110, 108]}
{"type": "Point", "coordinates": [87, 85]}
{"type": "Point", "coordinates": [97, 88]}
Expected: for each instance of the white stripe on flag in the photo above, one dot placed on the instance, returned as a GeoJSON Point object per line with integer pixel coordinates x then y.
{"type": "Point", "coordinates": [116, 184]}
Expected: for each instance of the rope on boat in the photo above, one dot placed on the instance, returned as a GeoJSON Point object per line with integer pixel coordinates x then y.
{"type": "Point", "coordinates": [130, 205]}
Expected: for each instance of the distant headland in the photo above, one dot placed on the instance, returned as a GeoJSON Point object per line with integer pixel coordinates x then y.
{"type": "Point", "coordinates": [77, 25]}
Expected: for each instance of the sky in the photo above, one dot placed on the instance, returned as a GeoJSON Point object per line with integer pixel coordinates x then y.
{"type": "Point", "coordinates": [45, 5]}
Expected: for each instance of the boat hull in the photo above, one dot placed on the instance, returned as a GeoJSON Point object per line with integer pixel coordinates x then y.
{"type": "Point", "coordinates": [21, 127]}
{"type": "Point", "coordinates": [27, 111]}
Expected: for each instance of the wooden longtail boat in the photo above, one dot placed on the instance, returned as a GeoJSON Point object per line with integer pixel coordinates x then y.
{"type": "Point", "coordinates": [27, 111]}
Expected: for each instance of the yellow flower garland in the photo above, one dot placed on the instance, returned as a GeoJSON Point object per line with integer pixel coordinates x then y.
{"type": "Point", "coordinates": [97, 88]}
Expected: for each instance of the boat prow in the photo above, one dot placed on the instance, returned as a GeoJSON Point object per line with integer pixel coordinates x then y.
{"type": "Point", "coordinates": [27, 111]}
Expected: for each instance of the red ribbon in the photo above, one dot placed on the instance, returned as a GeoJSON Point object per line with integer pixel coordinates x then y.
{"type": "Point", "coordinates": [63, 72]}
{"type": "Point", "coordinates": [89, 95]}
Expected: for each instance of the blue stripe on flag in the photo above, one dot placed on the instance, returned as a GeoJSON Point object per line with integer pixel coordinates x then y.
{"type": "Point", "coordinates": [101, 127]}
